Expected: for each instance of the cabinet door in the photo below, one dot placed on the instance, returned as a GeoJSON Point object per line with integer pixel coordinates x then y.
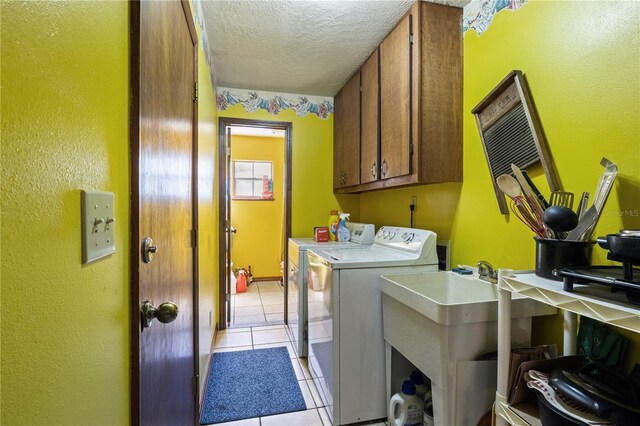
{"type": "Point", "coordinates": [346, 145]}
{"type": "Point", "coordinates": [369, 147]}
{"type": "Point", "coordinates": [395, 101]}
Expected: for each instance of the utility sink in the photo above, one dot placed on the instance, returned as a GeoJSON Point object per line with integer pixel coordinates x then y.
{"type": "Point", "coordinates": [441, 322]}
{"type": "Point", "coordinates": [449, 298]}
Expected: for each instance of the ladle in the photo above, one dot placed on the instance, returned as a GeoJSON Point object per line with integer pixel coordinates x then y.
{"type": "Point", "coordinates": [560, 219]}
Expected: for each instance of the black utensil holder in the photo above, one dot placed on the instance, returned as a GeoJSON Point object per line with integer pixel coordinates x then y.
{"type": "Point", "coordinates": [556, 254]}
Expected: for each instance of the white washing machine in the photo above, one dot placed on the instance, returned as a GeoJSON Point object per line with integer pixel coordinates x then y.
{"type": "Point", "coordinates": [346, 341]}
{"type": "Point", "coordinates": [361, 235]}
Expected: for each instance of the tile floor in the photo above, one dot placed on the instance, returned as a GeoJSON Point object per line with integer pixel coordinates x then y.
{"type": "Point", "coordinates": [248, 338]}
{"type": "Point", "coordinates": [261, 304]}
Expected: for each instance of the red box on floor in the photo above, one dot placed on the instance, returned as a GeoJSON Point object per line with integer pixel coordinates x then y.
{"type": "Point", "coordinates": [321, 234]}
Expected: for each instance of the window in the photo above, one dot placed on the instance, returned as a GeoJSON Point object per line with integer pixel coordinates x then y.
{"type": "Point", "coordinates": [253, 180]}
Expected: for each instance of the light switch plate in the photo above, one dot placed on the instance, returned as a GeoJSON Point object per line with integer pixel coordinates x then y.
{"type": "Point", "coordinates": [98, 225]}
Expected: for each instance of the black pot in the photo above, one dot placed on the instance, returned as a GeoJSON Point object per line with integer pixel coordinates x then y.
{"type": "Point", "coordinates": [557, 254]}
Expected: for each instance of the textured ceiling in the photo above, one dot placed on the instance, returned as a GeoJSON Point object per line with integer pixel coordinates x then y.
{"type": "Point", "coordinates": [304, 47]}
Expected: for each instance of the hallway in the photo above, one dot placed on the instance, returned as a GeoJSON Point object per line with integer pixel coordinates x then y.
{"type": "Point", "coordinates": [248, 338]}
{"type": "Point", "coordinates": [261, 304]}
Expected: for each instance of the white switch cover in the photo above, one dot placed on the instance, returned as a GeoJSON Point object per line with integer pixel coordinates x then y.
{"type": "Point", "coordinates": [98, 225]}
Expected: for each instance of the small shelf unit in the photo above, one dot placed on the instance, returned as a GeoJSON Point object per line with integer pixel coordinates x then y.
{"type": "Point", "coordinates": [591, 300]}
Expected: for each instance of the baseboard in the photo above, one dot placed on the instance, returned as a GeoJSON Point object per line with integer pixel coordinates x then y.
{"type": "Point", "coordinates": [205, 376]}
{"type": "Point", "coordinates": [278, 278]}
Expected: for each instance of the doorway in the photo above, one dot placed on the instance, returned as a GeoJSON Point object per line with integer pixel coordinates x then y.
{"type": "Point", "coordinates": [255, 221]}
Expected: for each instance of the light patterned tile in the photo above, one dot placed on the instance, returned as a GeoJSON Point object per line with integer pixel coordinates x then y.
{"type": "Point", "coordinates": [297, 369]}
{"type": "Point", "coordinates": [247, 299]}
{"type": "Point", "coordinates": [269, 286]}
{"type": "Point", "coordinates": [233, 349]}
{"type": "Point", "coordinates": [298, 418]}
{"type": "Point", "coordinates": [269, 336]}
{"type": "Point", "coordinates": [272, 298]}
{"type": "Point", "coordinates": [249, 319]}
{"type": "Point", "coordinates": [279, 317]}
{"type": "Point", "coordinates": [305, 367]}
{"type": "Point", "coordinates": [315, 394]}
{"type": "Point", "coordinates": [246, 422]}
{"type": "Point", "coordinates": [292, 353]}
{"type": "Point", "coordinates": [249, 310]}
{"type": "Point", "coordinates": [235, 330]}
{"type": "Point", "coordinates": [306, 394]}
{"type": "Point", "coordinates": [275, 308]}
{"type": "Point", "coordinates": [233, 339]}
{"type": "Point", "coordinates": [324, 416]}
{"type": "Point", "coordinates": [268, 327]}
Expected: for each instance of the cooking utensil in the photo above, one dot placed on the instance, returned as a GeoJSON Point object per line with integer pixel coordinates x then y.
{"type": "Point", "coordinates": [602, 191]}
{"type": "Point", "coordinates": [561, 198]}
{"type": "Point", "coordinates": [584, 224]}
{"type": "Point", "coordinates": [510, 186]}
{"type": "Point", "coordinates": [532, 201]}
{"type": "Point", "coordinates": [560, 219]}
{"type": "Point", "coordinates": [582, 207]}
{"type": "Point", "coordinates": [539, 196]}
{"type": "Point", "coordinates": [519, 205]}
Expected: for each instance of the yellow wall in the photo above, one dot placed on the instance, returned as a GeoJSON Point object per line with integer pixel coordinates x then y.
{"type": "Point", "coordinates": [207, 211]}
{"type": "Point", "coordinates": [312, 174]}
{"type": "Point", "coordinates": [65, 326]}
{"type": "Point", "coordinates": [581, 62]}
{"type": "Point", "coordinates": [258, 241]}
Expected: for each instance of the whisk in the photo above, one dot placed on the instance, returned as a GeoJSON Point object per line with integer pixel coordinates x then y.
{"type": "Point", "coordinates": [522, 208]}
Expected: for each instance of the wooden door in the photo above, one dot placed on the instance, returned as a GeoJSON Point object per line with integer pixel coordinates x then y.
{"type": "Point", "coordinates": [395, 101]}
{"type": "Point", "coordinates": [164, 379]}
{"type": "Point", "coordinates": [228, 229]}
{"type": "Point", "coordinates": [370, 107]}
{"type": "Point", "coordinates": [346, 154]}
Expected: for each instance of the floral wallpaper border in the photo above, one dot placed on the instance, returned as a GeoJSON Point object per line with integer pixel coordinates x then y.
{"type": "Point", "coordinates": [478, 14]}
{"type": "Point", "coordinates": [274, 103]}
{"type": "Point", "coordinates": [204, 42]}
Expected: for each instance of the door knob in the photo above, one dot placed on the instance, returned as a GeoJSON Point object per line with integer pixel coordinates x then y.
{"type": "Point", "coordinates": [148, 250]}
{"type": "Point", "coordinates": [165, 313]}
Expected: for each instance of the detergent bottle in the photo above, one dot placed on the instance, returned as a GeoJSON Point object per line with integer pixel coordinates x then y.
{"type": "Point", "coordinates": [343, 232]}
{"type": "Point", "coordinates": [405, 408]}
{"type": "Point", "coordinates": [334, 223]}
{"type": "Point", "coordinates": [418, 381]}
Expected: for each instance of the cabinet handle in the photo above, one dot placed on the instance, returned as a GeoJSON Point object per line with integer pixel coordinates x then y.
{"type": "Point", "coordinates": [373, 170]}
{"type": "Point", "coordinates": [384, 168]}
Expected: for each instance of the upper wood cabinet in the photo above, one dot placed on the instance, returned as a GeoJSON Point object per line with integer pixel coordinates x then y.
{"type": "Point", "coordinates": [346, 135]}
{"type": "Point", "coordinates": [395, 101]}
{"type": "Point", "coordinates": [417, 135]}
{"type": "Point", "coordinates": [370, 119]}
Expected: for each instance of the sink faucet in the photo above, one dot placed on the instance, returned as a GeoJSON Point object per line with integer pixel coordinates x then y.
{"type": "Point", "coordinates": [486, 272]}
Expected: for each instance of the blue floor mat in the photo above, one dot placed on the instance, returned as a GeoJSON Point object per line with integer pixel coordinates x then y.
{"type": "Point", "coordinates": [252, 383]}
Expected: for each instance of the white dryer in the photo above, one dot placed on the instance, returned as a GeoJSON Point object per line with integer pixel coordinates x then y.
{"type": "Point", "coordinates": [346, 341]}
